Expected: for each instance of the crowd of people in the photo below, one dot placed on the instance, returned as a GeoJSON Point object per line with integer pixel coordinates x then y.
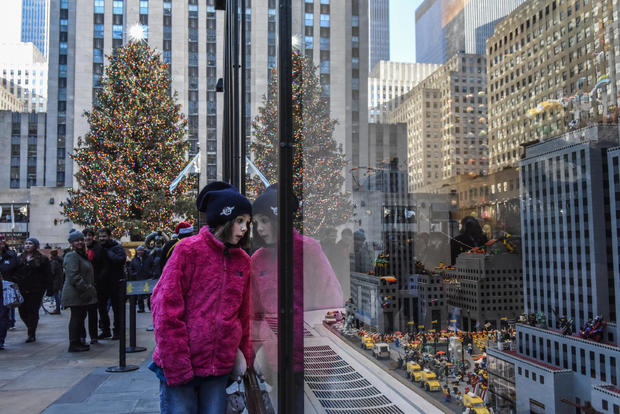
{"type": "Point", "coordinates": [214, 304]}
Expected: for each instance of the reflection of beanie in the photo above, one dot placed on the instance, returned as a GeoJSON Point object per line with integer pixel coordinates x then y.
{"type": "Point", "coordinates": [184, 228]}
{"type": "Point", "coordinates": [222, 202]}
{"type": "Point", "coordinates": [267, 203]}
{"type": "Point", "coordinates": [34, 241]}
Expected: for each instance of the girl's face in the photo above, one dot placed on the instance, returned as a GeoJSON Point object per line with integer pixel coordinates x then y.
{"type": "Point", "coordinates": [264, 228]}
{"type": "Point", "coordinates": [240, 227]}
{"type": "Point", "coordinates": [29, 247]}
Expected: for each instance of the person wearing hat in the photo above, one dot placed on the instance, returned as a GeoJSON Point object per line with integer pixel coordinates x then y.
{"type": "Point", "coordinates": [315, 285]}
{"type": "Point", "coordinates": [79, 293]}
{"type": "Point", "coordinates": [200, 306]}
{"type": "Point", "coordinates": [33, 276]}
{"type": "Point", "coordinates": [141, 268]}
{"type": "Point", "coordinates": [182, 230]}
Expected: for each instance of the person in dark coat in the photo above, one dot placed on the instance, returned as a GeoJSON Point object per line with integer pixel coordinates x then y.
{"type": "Point", "coordinates": [471, 236]}
{"type": "Point", "coordinates": [79, 292]}
{"type": "Point", "coordinates": [141, 268]}
{"type": "Point", "coordinates": [182, 230]}
{"type": "Point", "coordinates": [58, 279]}
{"type": "Point", "coordinates": [8, 263]}
{"type": "Point", "coordinates": [110, 263]}
{"type": "Point", "coordinates": [33, 277]}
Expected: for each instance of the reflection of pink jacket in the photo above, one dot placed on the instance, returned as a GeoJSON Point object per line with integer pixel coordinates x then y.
{"type": "Point", "coordinates": [312, 272]}
{"type": "Point", "coordinates": [200, 309]}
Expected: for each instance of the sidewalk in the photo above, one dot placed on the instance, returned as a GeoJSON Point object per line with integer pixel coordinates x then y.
{"type": "Point", "coordinates": [43, 374]}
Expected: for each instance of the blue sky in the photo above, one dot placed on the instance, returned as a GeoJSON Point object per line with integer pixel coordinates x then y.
{"type": "Point", "coordinates": [402, 30]}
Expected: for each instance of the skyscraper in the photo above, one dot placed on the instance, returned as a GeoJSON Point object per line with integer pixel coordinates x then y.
{"type": "Point", "coordinates": [446, 27]}
{"type": "Point", "coordinates": [35, 14]}
{"type": "Point", "coordinates": [23, 72]}
{"type": "Point", "coordinates": [545, 62]}
{"type": "Point", "coordinates": [570, 270]}
{"type": "Point", "coordinates": [84, 32]}
{"type": "Point", "coordinates": [335, 35]}
{"type": "Point", "coordinates": [379, 31]}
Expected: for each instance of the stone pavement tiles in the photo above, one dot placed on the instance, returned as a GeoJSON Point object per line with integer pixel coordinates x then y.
{"type": "Point", "coordinates": [33, 376]}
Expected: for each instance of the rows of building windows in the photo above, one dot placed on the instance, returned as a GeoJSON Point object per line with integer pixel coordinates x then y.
{"type": "Point", "coordinates": [193, 76]}
{"type": "Point", "coordinates": [211, 93]}
{"type": "Point", "coordinates": [548, 51]}
{"type": "Point", "coordinates": [579, 360]}
{"type": "Point", "coordinates": [61, 124]}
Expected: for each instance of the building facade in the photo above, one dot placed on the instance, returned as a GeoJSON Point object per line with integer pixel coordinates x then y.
{"type": "Point", "coordinates": [389, 82]}
{"type": "Point", "coordinates": [552, 68]}
{"type": "Point", "coordinates": [447, 27]}
{"type": "Point", "coordinates": [570, 250]}
{"type": "Point", "coordinates": [84, 33]}
{"type": "Point", "coordinates": [485, 288]}
{"type": "Point", "coordinates": [35, 27]}
{"type": "Point", "coordinates": [23, 72]}
{"type": "Point", "coordinates": [10, 102]}
{"type": "Point", "coordinates": [379, 32]}
{"type": "Point", "coordinates": [446, 117]}
{"type": "Point", "coordinates": [335, 35]}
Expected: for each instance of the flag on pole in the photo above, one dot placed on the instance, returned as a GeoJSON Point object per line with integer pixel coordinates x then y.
{"type": "Point", "coordinates": [257, 172]}
{"type": "Point", "coordinates": [12, 218]}
{"type": "Point", "coordinates": [195, 162]}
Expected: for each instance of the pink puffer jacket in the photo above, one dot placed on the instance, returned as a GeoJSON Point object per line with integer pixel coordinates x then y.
{"type": "Point", "coordinates": [200, 309]}
{"type": "Point", "coordinates": [312, 273]}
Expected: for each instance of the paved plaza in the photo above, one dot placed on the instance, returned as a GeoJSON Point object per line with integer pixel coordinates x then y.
{"type": "Point", "coordinates": [44, 377]}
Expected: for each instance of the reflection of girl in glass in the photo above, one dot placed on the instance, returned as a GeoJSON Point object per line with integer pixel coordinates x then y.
{"type": "Point", "coordinates": [200, 307]}
{"type": "Point", "coordinates": [315, 284]}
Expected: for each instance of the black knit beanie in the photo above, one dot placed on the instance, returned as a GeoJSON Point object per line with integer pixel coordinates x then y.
{"type": "Point", "coordinates": [222, 202]}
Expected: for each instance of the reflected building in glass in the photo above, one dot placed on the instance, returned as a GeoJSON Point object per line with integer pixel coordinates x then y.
{"type": "Point", "coordinates": [569, 226]}
{"type": "Point", "coordinates": [446, 122]}
{"type": "Point", "coordinates": [447, 27]}
{"type": "Point", "coordinates": [552, 68]}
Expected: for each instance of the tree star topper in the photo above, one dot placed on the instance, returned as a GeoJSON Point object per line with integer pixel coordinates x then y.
{"type": "Point", "coordinates": [136, 33]}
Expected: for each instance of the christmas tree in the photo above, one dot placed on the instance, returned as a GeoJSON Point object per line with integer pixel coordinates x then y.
{"type": "Point", "coordinates": [318, 163]}
{"type": "Point", "coordinates": [133, 150]}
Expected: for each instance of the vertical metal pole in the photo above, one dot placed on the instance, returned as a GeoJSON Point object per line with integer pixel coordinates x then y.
{"type": "Point", "coordinates": [244, 72]}
{"type": "Point", "coordinates": [226, 149]}
{"type": "Point", "coordinates": [234, 88]}
{"type": "Point", "coordinates": [286, 380]}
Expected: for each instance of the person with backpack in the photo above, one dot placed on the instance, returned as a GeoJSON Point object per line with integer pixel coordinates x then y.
{"type": "Point", "coordinates": [182, 230]}
{"type": "Point", "coordinates": [58, 279]}
{"type": "Point", "coordinates": [200, 307]}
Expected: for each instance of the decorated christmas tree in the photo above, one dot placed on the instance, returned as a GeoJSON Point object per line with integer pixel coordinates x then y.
{"type": "Point", "coordinates": [133, 150]}
{"type": "Point", "coordinates": [318, 163]}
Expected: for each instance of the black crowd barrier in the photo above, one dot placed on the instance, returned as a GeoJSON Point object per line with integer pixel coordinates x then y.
{"type": "Point", "coordinates": [131, 289]}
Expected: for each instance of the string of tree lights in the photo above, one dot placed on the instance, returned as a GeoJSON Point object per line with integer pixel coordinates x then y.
{"type": "Point", "coordinates": [133, 150]}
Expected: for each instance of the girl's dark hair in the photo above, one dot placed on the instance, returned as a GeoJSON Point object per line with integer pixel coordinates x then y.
{"type": "Point", "coordinates": [223, 233]}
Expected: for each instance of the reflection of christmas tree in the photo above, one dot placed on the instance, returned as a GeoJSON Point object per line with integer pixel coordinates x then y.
{"type": "Point", "coordinates": [133, 150]}
{"type": "Point", "coordinates": [318, 161]}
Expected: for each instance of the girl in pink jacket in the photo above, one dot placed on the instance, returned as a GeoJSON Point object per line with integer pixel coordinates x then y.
{"type": "Point", "coordinates": [200, 307]}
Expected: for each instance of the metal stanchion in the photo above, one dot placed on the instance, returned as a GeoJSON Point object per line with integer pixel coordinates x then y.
{"type": "Point", "coordinates": [132, 327]}
{"type": "Point", "coordinates": [122, 360]}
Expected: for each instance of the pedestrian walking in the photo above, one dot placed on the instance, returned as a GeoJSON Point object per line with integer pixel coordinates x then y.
{"type": "Point", "coordinates": [109, 263]}
{"type": "Point", "coordinates": [200, 307]}
{"type": "Point", "coordinates": [141, 268]}
{"type": "Point", "coordinates": [33, 276]}
{"type": "Point", "coordinates": [8, 264]}
{"type": "Point", "coordinates": [58, 279]}
{"type": "Point", "coordinates": [79, 292]}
